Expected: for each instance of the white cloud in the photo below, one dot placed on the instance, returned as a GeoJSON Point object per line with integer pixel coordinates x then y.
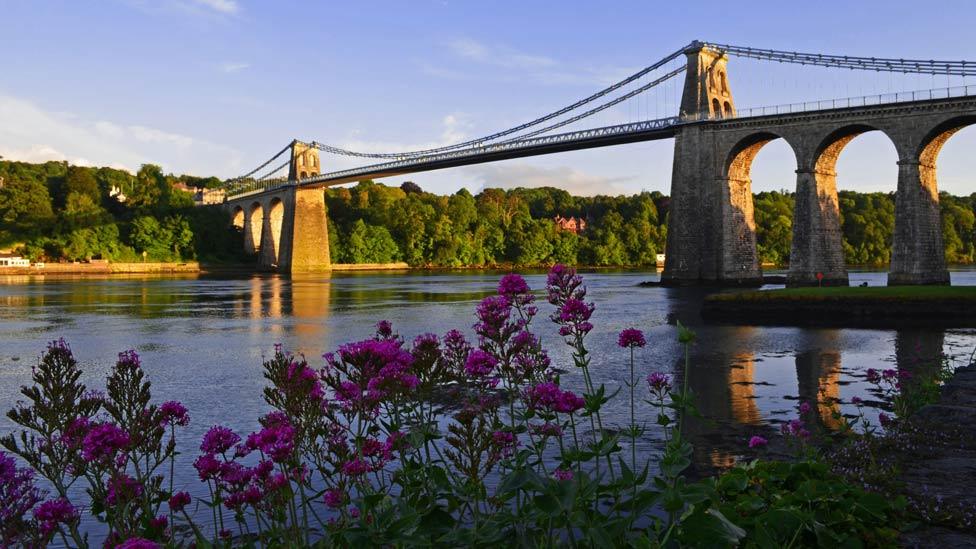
{"type": "Point", "coordinates": [509, 175]}
{"type": "Point", "coordinates": [229, 7]}
{"type": "Point", "coordinates": [234, 67]}
{"type": "Point", "coordinates": [33, 134]}
{"type": "Point", "coordinates": [109, 129]}
{"type": "Point", "coordinates": [455, 127]}
{"type": "Point", "coordinates": [501, 55]}
{"type": "Point", "coordinates": [519, 65]}
{"type": "Point", "coordinates": [152, 135]}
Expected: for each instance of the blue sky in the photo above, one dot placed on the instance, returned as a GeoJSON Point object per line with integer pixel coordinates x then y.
{"type": "Point", "coordinates": [214, 87]}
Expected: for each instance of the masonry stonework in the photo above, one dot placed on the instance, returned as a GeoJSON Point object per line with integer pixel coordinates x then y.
{"type": "Point", "coordinates": [711, 228]}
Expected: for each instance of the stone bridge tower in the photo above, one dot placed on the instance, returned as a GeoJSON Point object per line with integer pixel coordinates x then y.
{"type": "Point", "coordinates": [712, 233]}
{"type": "Point", "coordinates": [706, 93]}
{"type": "Point", "coordinates": [304, 161]}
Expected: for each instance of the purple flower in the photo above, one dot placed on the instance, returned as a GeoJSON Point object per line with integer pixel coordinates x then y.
{"type": "Point", "coordinates": [53, 512]}
{"type": "Point", "coordinates": [631, 337]}
{"type": "Point", "coordinates": [218, 440]}
{"type": "Point", "coordinates": [122, 489]}
{"type": "Point", "coordinates": [159, 523]}
{"type": "Point", "coordinates": [480, 364]}
{"type": "Point", "coordinates": [179, 501]}
{"type": "Point", "coordinates": [129, 358]}
{"type": "Point", "coordinates": [514, 287]}
{"type": "Point", "coordinates": [505, 442]}
{"type": "Point", "coordinates": [207, 466]}
{"type": "Point", "coordinates": [384, 330]}
{"type": "Point", "coordinates": [563, 283]}
{"type": "Point", "coordinates": [856, 401]}
{"type": "Point", "coordinates": [873, 376]}
{"type": "Point", "coordinates": [103, 441]}
{"type": "Point", "coordinates": [17, 491]}
{"type": "Point", "coordinates": [174, 413]}
{"type": "Point", "coordinates": [355, 467]}
{"type": "Point", "coordinates": [563, 474]}
{"type": "Point", "coordinates": [549, 396]}
{"type": "Point", "coordinates": [659, 383]}
{"type": "Point", "coordinates": [493, 315]}
{"type": "Point", "coordinates": [757, 442]}
{"type": "Point", "coordinates": [276, 440]}
{"type": "Point", "coordinates": [334, 498]}
{"type": "Point", "coordinates": [511, 285]}
{"type": "Point", "coordinates": [885, 420]}
{"type": "Point", "coordinates": [794, 428]}
{"type": "Point", "coordinates": [804, 408]}
{"type": "Point", "coordinates": [138, 543]}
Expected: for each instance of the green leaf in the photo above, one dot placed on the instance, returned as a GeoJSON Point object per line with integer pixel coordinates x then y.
{"type": "Point", "coordinates": [710, 528]}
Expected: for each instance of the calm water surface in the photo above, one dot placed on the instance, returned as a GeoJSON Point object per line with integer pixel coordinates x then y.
{"type": "Point", "coordinates": [202, 341]}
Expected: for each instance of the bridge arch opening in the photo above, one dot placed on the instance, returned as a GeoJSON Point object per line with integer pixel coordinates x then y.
{"type": "Point", "coordinates": [237, 218]}
{"type": "Point", "coordinates": [253, 224]}
{"type": "Point", "coordinates": [863, 159]}
{"type": "Point", "coordinates": [276, 215]}
{"type": "Point", "coordinates": [947, 151]}
{"type": "Point", "coordinates": [765, 164]}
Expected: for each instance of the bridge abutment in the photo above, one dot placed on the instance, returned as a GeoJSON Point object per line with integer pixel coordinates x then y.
{"type": "Point", "coordinates": [917, 255]}
{"type": "Point", "coordinates": [817, 239]}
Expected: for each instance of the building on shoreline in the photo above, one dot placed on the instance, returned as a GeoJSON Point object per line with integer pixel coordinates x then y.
{"type": "Point", "coordinates": [571, 224]}
{"type": "Point", "coordinates": [10, 260]}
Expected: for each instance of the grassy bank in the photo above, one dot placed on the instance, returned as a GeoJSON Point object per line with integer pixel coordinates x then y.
{"type": "Point", "coordinates": [872, 306]}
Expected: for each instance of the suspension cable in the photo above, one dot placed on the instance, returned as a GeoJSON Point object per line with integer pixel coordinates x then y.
{"type": "Point", "coordinates": [604, 106]}
{"type": "Point", "coordinates": [637, 75]}
{"type": "Point", "coordinates": [881, 64]}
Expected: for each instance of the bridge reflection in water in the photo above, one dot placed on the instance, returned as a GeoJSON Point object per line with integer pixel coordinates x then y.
{"type": "Point", "coordinates": [729, 387]}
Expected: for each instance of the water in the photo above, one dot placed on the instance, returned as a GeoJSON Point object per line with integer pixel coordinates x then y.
{"type": "Point", "coordinates": [202, 341]}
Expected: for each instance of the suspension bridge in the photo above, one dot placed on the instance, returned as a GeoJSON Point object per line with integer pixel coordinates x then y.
{"type": "Point", "coordinates": [711, 229]}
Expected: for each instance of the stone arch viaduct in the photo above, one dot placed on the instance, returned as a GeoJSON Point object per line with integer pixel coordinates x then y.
{"type": "Point", "coordinates": [711, 228]}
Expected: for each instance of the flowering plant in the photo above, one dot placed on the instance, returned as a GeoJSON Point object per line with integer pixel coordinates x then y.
{"type": "Point", "coordinates": [442, 441]}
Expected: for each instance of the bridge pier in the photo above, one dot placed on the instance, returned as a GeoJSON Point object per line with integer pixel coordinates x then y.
{"type": "Point", "coordinates": [917, 255]}
{"type": "Point", "coordinates": [252, 233]}
{"type": "Point", "coordinates": [817, 239]}
{"type": "Point", "coordinates": [305, 234]}
{"type": "Point", "coordinates": [711, 227]}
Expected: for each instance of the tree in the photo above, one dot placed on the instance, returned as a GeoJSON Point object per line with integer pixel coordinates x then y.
{"type": "Point", "coordinates": [410, 187]}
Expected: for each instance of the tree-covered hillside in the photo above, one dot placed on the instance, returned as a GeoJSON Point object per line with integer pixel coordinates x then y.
{"type": "Point", "coordinates": [53, 211]}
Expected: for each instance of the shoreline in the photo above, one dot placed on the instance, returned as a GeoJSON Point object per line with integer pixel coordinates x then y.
{"type": "Point", "coordinates": [867, 307]}
{"type": "Point", "coordinates": [204, 268]}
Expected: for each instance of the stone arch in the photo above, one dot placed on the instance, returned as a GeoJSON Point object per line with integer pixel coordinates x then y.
{"type": "Point", "coordinates": [931, 145]}
{"type": "Point", "coordinates": [716, 108]}
{"type": "Point", "coordinates": [738, 164]}
{"type": "Point", "coordinates": [736, 223]}
{"type": "Point", "coordinates": [253, 225]}
{"type": "Point", "coordinates": [727, 109]}
{"type": "Point", "coordinates": [237, 218]}
{"type": "Point", "coordinates": [825, 155]}
{"type": "Point", "coordinates": [271, 232]}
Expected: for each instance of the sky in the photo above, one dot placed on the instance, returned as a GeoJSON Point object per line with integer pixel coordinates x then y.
{"type": "Point", "coordinates": [215, 87]}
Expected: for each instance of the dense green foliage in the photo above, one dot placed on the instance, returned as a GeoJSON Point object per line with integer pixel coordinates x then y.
{"type": "Point", "coordinates": [54, 211]}
{"type": "Point", "coordinates": [495, 226]}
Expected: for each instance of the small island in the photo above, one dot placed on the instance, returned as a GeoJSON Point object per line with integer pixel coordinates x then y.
{"type": "Point", "coordinates": [878, 306]}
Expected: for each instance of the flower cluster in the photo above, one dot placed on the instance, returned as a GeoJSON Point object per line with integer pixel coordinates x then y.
{"type": "Point", "coordinates": [103, 442]}
{"type": "Point", "coordinates": [174, 413]}
{"type": "Point", "coordinates": [551, 398]}
{"type": "Point", "coordinates": [631, 337]}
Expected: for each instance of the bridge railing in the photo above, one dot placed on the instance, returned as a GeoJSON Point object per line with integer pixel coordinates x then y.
{"type": "Point", "coordinates": [846, 102]}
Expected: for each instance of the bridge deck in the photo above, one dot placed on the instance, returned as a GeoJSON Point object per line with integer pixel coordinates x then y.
{"type": "Point", "coordinates": [649, 130]}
